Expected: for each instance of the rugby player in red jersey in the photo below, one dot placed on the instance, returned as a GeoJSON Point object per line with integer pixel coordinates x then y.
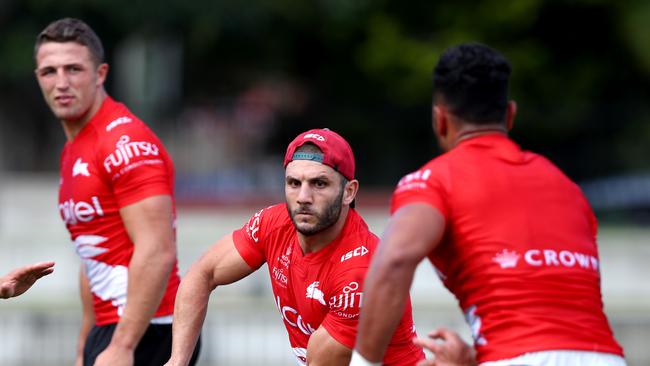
{"type": "Point", "coordinates": [510, 235]}
{"type": "Point", "coordinates": [317, 249]}
{"type": "Point", "coordinates": [116, 199]}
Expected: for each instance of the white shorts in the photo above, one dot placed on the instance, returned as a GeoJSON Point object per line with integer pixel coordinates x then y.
{"type": "Point", "coordinates": [561, 358]}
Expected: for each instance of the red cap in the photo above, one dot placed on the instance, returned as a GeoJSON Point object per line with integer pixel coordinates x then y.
{"type": "Point", "coordinates": [337, 153]}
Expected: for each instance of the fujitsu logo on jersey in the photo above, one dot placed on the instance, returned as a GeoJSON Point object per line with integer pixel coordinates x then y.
{"type": "Point", "coordinates": [72, 212]}
{"type": "Point", "coordinates": [348, 299]}
{"type": "Point", "coordinates": [125, 151]}
{"type": "Point", "coordinates": [280, 276]}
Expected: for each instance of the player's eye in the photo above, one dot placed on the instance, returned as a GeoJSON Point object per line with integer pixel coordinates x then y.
{"type": "Point", "coordinates": [319, 183]}
{"type": "Point", "coordinates": [46, 72]}
{"type": "Point", "coordinates": [294, 183]}
{"type": "Point", "coordinates": [73, 69]}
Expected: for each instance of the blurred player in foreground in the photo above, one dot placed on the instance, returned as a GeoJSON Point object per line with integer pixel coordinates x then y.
{"type": "Point", "coordinates": [509, 234]}
{"type": "Point", "coordinates": [116, 199]}
{"type": "Point", "coordinates": [317, 248]}
{"type": "Point", "coordinates": [16, 282]}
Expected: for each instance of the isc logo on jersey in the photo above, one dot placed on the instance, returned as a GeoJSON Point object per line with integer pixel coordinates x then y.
{"type": "Point", "coordinates": [72, 212]}
{"type": "Point", "coordinates": [253, 226]}
{"type": "Point", "coordinates": [356, 252]}
{"type": "Point", "coordinates": [126, 150]}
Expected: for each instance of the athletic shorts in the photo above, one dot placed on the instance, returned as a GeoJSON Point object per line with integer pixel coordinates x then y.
{"type": "Point", "coordinates": [561, 358]}
{"type": "Point", "coordinates": [154, 348]}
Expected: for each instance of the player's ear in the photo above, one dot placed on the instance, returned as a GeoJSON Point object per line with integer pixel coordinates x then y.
{"type": "Point", "coordinates": [350, 191]}
{"type": "Point", "coordinates": [440, 120]}
{"type": "Point", "coordinates": [511, 112]}
{"type": "Point", "coordinates": [102, 71]}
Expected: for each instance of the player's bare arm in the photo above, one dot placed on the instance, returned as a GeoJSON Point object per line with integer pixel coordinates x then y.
{"type": "Point", "coordinates": [220, 265]}
{"type": "Point", "coordinates": [18, 281]}
{"type": "Point", "coordinates": [324, 350]}
{"type": "Point", "coordinates": [412, 232]}
{"type": "Point", "coordinates": [88, 314]}
{"type": "Point", "coordinates": [149, 225]}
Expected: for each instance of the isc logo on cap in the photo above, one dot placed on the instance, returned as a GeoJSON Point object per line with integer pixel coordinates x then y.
{"type": "Point", "coordinates": [314, 136]}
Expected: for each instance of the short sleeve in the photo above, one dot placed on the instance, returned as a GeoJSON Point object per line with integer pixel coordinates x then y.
{"type": "Point", "coordinates": [345, 301]}
{"type": "Point", "coordinates": [427, 185]}
{"type": "Point", "coordinates": [134, 164]}
{"type": "Point", "coordinates": [249, 242]}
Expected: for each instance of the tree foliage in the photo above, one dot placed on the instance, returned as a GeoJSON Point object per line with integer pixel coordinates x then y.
{"type": "Point", "coordinates": [581, 68]}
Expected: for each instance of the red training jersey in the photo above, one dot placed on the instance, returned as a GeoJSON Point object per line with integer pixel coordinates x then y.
{"type": "Point", "coordinates": [114, 161]}
{"type": "Point", "coordinates": [322, 288]}
{"type": "Point", "coordinates": [519, 250]}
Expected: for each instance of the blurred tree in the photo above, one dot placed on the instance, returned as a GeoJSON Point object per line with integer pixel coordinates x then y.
{"type": "Point", "coordinates": [581, 70]}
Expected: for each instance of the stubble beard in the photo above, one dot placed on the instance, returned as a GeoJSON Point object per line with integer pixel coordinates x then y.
{"type": "Point", "coordinates": [324, 220]}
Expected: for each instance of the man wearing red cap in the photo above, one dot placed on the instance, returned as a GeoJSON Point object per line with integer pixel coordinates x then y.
{"type": "Point", "coordinates": [317, 248]}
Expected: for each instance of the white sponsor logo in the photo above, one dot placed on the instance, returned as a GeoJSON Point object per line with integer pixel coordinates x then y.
{"type": "Point", "coordinates": [291, 317]}
{"type": "Point", "coordinates": [80, 168]}
{"type": "Point", "coordinates": [117, 122]}
{"type": "Point", "coordinates": [86, 245]}
{"type": "Point", "coordinates": [357, 252]}
{"type": "Point", "coordinates": [506, 259]}
{"type": "Point", "coordinates": [420, 175]}
{"type": "Point", "coordinates": [285, 259]}
{"type": "Point", "coordinates": [72, 212]}
{"type": "Point", "coordinates": [348, 299]}
{"type": "Point", "coordinates": [313, 292]}
{"type": "Point", "coordinates": [314, 136]}
{"type": "Point", "coordinates": [564, 258]}
{"type": "Point", "coordinates": [253, 226]}
{"type": "Point", "coordinates": [106, 281]}
{"type": "Point", "coordinates": [125, 151]}
{"type": "Point", "coordinates": [547, 257]}
{"type": "Point", "coordinates": [474, 322]}
{"type": "Point", "coordinates": [415, 180]}
{"type": "Point", "coordinates": [278, 275]}
{"type": "Point", "coordinates": [301, 354]}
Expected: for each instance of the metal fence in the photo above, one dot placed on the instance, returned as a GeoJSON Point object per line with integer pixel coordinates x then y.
{"type": "Point", "coordinates": [243, 326]}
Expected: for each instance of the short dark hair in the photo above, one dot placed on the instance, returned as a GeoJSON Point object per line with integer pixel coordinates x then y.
{"type": "Point", "coordinates": [72, 30]}
{"type": "Point", "coordinates": [471, 79]}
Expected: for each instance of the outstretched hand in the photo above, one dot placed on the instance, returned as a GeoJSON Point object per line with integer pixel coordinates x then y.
{"type": "Point", "coordinates": [452, 351]}
{"type": "Point", "coordinates": [21, 279]}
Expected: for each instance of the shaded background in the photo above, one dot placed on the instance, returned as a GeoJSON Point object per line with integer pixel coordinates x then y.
{"type": "Point", "coordinates": [227, 84]}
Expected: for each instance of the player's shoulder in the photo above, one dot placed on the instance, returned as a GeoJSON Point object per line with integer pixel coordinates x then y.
{"type": "Point", "coordinates": [434, 173]}
{"type": "Point", "coordinates": [356, 245]}
{"type": "Point", "coordinates": [269, 221]}
{"type": "Point", "coordinates": [276, 213]}
{"type": "Point", "coordinates": [116, 120]}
